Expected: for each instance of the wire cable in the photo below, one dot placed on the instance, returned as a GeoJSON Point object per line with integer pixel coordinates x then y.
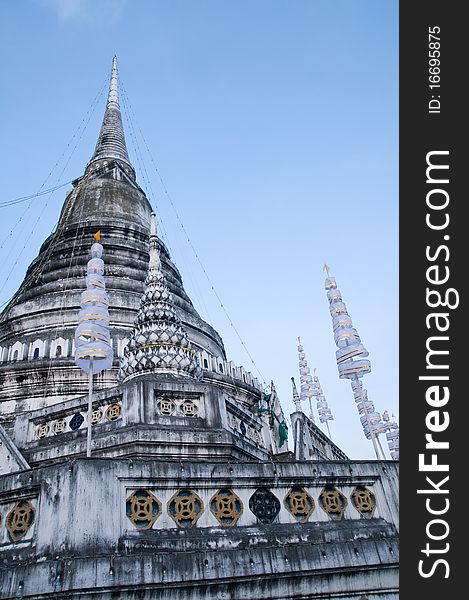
{"type": "Point", "coordinates": [84, 122]}
{"type": "Point", "coordinates": [36, 195]}
{"type": "Point", "coordinates": [192, 246]}
{"type": "Point", "coordinates": [150, 193]}
{"type": "Point", "coordinates": [37, 270]}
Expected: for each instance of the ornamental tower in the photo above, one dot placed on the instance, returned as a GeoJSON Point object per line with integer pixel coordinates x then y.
{"type": "Point", "coordinates": [352, 364]}
{"type": "Point", "coordinates": [311, 388]}
{"type": "Point", "coordinates": [37, 326]}
{"type": "Point", "coordinates": [155, 331]}
{"type": "Point", "coordinates": [173, 476]}
{"type": "Point", "coordinates": [158, 342]}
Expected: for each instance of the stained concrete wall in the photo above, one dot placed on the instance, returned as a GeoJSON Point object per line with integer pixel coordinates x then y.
{"type": "Point", "coordinates": [82, 540]}
{"type": "Point", "coordinates": [141, 429]}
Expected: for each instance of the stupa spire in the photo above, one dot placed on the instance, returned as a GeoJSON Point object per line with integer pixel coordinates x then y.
{"type": "Point", "coordinates": [111, 141]}
{"type": "Point", "coordinates": [158, 343]}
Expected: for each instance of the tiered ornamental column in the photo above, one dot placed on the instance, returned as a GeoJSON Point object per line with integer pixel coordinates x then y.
{"type": "Point", "coordinates": [311, 388]}
{"type": "Point", "coordinates": [93, 346]}
{"type": "Point", "coordinates": [306, 380]}
{"type": "Point", "coordinates": [392, 435]}
{"type": "Point", "coordinates": [325, 414]}
{"type": "Point", "coordinates": [352, 363]}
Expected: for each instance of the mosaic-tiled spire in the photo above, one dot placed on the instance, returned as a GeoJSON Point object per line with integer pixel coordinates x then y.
{"type": "Point", "coordinates": [352, 362]}
{"type": "Point", "coordinates": [158, 342]}
{"type": "Point", "coordinates": [306, 379]}
{"type": "Point", "coordinates": [111, 140]}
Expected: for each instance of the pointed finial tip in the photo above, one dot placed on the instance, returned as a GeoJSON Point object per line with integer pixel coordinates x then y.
{"type": "Point", "coordinates": [326, 268]}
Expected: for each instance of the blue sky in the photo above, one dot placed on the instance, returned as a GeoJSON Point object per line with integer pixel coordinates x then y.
{"type": "Point", "coordinates": [274, 126]}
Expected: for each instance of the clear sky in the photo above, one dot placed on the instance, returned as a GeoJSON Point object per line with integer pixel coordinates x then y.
{"type": "Point", "coordinates": [274, 126]}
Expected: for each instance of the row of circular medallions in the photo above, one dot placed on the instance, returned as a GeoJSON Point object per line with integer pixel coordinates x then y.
{"type": "Point", "coordinates": [109, 413]}
{"type": "Point", "coordinates": [185, 507]}
{"type": "Point", "coordinates": [186, 408]}
{"type": "Point", "coordinates": [19, 519]}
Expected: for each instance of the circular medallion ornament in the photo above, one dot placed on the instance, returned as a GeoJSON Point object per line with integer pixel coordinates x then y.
{"type": "Point", "coordinates": [166, 406]}
{"type": "Point", "coordinates": [364, 501]}
{"type": "Point", "coordinates": [59, 426]}
{"type": "Point", "coordinates": [43, 430]}
{"type": "Point", "coordinates": [76, 421]}
{"type": "Point", "coordinates": [189, 408]}
{"type": "Point", "coordinates": [185, 508]}
{"type": "Point", "coordinates": [96, 416]}
{"type": "Point", "coordinates": [226, 507]}
{"type": "Point", "coordinates": [142, 509]}
{"type": "Point", "coordinates": [113, 412]}
{"type": "Point", "coordinates": [264, 505]}
{"type": "Point", "coordinates": [19, 519]}
{"type": "Point", "coordinates": [299, 503]}
{"type": "Point", "coordinates": [333, 503]}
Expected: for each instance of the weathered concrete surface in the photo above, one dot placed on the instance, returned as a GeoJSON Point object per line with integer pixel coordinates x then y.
{"type": "Point", "coordinates": [141, 429]}
{"type": "Point", "coordinates": [211, 575]}
{"type": "Point", "coordinates": [311, 443]}
{"type": "Point", "coordinates": [46, 306]}
{"type": "Point", "coordinates": [11, 459]}
{"type": "Point", "coordinates": [82, 544]}
{"type": "Point", "coordinates": [71, 527]}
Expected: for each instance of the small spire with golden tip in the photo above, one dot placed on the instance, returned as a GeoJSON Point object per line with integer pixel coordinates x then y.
{"type": "Point", "coordinates": [353, 364]}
